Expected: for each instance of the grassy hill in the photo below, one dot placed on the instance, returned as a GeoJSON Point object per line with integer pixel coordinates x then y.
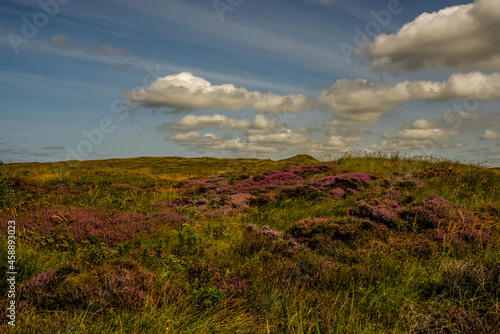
{"type": "Point", "coordinates": [362, 244]}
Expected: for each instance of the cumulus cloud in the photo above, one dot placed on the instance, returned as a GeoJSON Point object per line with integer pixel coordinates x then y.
{"type": "Point", "coordinates": [109, 50]}
{"type": "Point", "coordinates": [362, 102]}
{"type": "Point", "coordinates": [59, 40]}
{"type": "Point", "coordinates": [458, 37]}
{"type": "Point", "coordinates": [262, 135]}
{"type": "Point", "coordinates": [186, 92]}
{"type": "Point", "coordinates": [420, 134]}
{"type": "Point", "coordinates": [284, 141]}
{"type": "Point", "coordinates": [491, 135]}
{"type": "Point", "coordinates": [211, 142]}
{"type": "Point", "coordinates": [277, 104]}
{"type": "Point", "coordinates": [286, 136]}
{"type": "Point", "coordinates": [192, 122]}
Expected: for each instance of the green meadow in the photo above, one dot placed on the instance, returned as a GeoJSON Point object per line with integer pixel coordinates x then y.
{"type": "Point", "coordinates": [361, 244]}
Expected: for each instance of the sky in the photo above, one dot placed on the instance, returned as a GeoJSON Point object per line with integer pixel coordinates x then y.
{"type": "Point", "coordinates": [84, 80]}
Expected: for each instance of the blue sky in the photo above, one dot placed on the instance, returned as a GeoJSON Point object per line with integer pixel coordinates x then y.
{"type": "Point", "coordinates": [239, 78]}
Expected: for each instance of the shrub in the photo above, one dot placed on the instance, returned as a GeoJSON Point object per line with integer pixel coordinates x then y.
{"type": "Point", "coordinates": [452, 221]}
{"type": "Point", "coordinates": [350, 182]}
{"type": "Point", "coordinates": [205, 297]}
{"type": "Point", "coordinates": [41, 290]}
{"type": "Point", "coordinates": [383, 212]}
{"type": "Point", "coordinates": [188, 243]}
{"type": "Point", "coordinates": [265, 239]}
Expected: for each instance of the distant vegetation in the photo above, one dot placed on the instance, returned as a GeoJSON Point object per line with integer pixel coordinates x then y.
{"type": "Point", "coordinates": [361, 244]}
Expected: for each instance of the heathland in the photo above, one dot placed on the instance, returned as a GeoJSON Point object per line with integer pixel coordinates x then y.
{"type": "Point", "coordinates": [360, 244]}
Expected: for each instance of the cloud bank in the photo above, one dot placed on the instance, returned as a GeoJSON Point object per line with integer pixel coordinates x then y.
{"type": "Point", "coordinates": [362, 102]}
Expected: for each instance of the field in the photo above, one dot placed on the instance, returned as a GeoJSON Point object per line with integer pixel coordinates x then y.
{"type": "Point", "coordinates": [361, 244]}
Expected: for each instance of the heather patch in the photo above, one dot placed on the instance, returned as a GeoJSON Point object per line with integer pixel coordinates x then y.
{"type": "Point", "coordinates": [326, 235]}
{"type": "Point", "coordinates": [66, 191]}
{"type": "Point", "coordinates": [41, 289]}
{"type": "Point", "coordinates": [261, 183]}
{"type": "Point", "coordinates": [201, 186]}
{"type": "Point", "coordinates": [351, 183]}
{"type": "Point", "coordinates": [436, 212]}
{"type": "Point", "coordinates": [266, 239]}
{"type": "Point", "coordinates": [382, 212]}
{"type": "Point", "coordinates": [57, 226]}
{"type": "Point", "coordinates": [119, 285]}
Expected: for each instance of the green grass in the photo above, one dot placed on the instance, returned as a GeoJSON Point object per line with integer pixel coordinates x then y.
{"type": "Point", "coordinates": [215, 273]}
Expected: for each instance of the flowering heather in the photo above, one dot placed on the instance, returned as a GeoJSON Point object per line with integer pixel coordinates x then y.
{"type": "Point", "coordinates": [319, 233]}
{"type": "Point", "coordinates": [349, 181]}
{"type": "Point", "coordinates": [111, 227]}
{"type": "Point", "coordinates": [166, 204]}
{"type": "Point", "coordinates": [267, 231]}
{"type": "Point", "coordinates": [463, 237]}
{"type": "Point", "coordinates": [66, 191]}
{"type": "Point", "coordinates": [37, 290]}
{"type": "Point", "coordinates": [467, 323]}
{"type": "Point", "coordinates": [232, 284]}
{"type": "Point", "coordinates": [394, 195]}
{"type": "Point", "coordinates": [436, 211]}
{"type": "Point", "coordinates": [262, 183]}
{"type": "Point", "coordinates": [40, 290]}
{"type": "Point", "coordinates": [239, 201]}
{"type": "Point", "coordinates": [201, 186]}
{"type": "Point", "coordinates": [267, 239]}
{"type": "Point", "coordinates": [337, 193]}
{"type": "Point", "coordinates": [383, 212]}
{"type": "Point", "coordinates": [305, 228]}
{"type": "Point", "coordinates": [183, 202]}
{"type": "Point", "coordinates": [129, 286]}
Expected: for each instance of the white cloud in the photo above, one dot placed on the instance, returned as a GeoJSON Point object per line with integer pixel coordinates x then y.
{"type": "Point", "coordinates": [262, 135]}
{"type": "Point", "coordinates": [286, 136]}
{"type": "Point", "coordinates": [277, 104]}
{"type": "Point", "coordinates": [284, 142]}
{"type": "Point", "coordinates": [212, 142]}
{"type": "Point", "coordinates": [192, 122]}
{"type": "Point", "coordinates": [418, 135]}
{"type": "Point", "coordinates": [458, 37]}
{"type": "Point", "coordinates": [435, 134]}
{"type": "Point", "coordinates": [185, 92]}
{"type": "Point", "coordinates": [362, 102]}
{"type": "Point", "coordinates": [491, 135]}
{"type": "Point", "coordinates": [422, 124]}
